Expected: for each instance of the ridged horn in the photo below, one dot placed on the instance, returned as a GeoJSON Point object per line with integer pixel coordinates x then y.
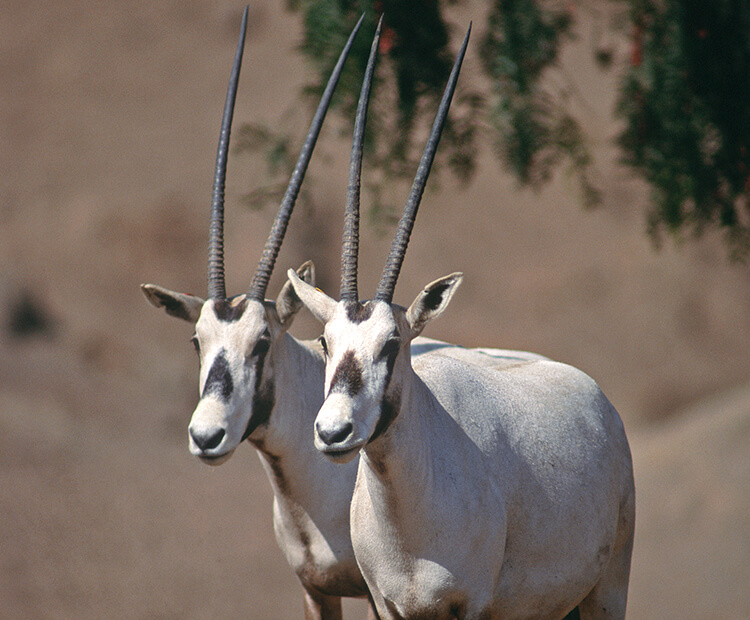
{"type": "Point", "coordinates": [350, 244]}
{"type": "Point", "coordinates": [405, 225]}
{"type": "Point", "coordinates": [262, 275]}
{"type": "Point", "coordinates": [216, 286]}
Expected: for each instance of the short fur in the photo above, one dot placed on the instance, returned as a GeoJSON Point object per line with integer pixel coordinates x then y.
{"type": "Point", "coordinates": [502, 491]}
{"type": "Point", "coordinates": [274, 407]}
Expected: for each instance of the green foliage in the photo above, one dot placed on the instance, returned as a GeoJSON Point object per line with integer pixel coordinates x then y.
{"type": "Point", "coordinates": [684, 99]}
{"type": "Point", "coordinates": [686, 103]}
{"type": "Point", "coordinates": [413, 67]}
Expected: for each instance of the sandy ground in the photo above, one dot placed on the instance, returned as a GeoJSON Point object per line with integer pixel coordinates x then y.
{"type": "Point", "coordinates": [109, 117]}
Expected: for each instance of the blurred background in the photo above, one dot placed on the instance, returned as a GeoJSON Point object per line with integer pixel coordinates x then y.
{"type": "Point", "coordinates": [594, 202]}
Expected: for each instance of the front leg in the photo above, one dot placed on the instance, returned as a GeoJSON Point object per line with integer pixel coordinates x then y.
{"type": "Point", "coordinates": [372, 613]}
{"type": "Point", "coordinates": [322, 606]}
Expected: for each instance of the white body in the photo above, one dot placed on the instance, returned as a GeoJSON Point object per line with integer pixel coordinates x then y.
{"type": "Point", "coordinates": [312, 496]}
{"type": "Point", "coordinates": [496, 491]}
{"type": "Point", "coordinates": [509, 520]}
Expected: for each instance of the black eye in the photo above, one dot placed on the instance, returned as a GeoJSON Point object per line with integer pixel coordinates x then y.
{"type": "Point", "coordinates": [196, 344]}
{"type": "Point", "coordinates": [323, 344]}
{"type": "Point", "coordinates": [261, 347]}
{"type": "Point", "coordinates": [390, 348]}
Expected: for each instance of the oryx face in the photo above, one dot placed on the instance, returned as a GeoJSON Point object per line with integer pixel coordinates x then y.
{"type": "Point", "coordinates": [362, 343]}
{"type": "Point", "coordinates": [367, 358]}
{"type": "Point", "coordinates": [233, 339]}
{"type": "Point", "coordinates": [367, 342]}
{"type": "Point", "coordinates": [235, 336]}
{"type": "Point", "coordinates": [237, 340]}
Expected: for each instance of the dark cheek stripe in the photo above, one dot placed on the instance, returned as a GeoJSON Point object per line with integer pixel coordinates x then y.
{"type": "Point", "coordinates": [219, 381]}
{"type": "Point", "coordinates": [390, 405]}
{"type": "Point", "coordinates": [263, 399]}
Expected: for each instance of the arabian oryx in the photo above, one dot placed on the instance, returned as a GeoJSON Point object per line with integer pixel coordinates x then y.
{"type": "Point", "coordinates": [259, 383]}
{"type": "Point", "coordinates": [500, 492]}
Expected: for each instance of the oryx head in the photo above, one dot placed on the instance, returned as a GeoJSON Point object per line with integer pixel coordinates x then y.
{"type": "Point", "coordinates": [236, 337]}
{"type": "Point", "coordinates": [367, 343]}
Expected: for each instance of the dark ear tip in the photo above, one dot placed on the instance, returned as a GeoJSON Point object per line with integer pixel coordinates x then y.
{"type": "Point", "coordinates": [149, 291]}
{"type": "Point", "coordinates": [306, 271]}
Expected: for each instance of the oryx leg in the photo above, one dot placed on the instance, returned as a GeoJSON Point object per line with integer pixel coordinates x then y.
{"type": "Point", "coordinates": [322, 606]}
{"type": "Point", "coordinates": [608, 599]}
{"type": "Point", "coordinates": [372, 613]}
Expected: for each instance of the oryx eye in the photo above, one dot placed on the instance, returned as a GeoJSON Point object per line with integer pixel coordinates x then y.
{"type": "Point", "coordinates": [391, 347]}
{"type": "Point", "coordinates": [196, 344]}
{"type": "Point", "coordinates": [261, 347]}
{"type": "Point", "coordinates": [323, 344]}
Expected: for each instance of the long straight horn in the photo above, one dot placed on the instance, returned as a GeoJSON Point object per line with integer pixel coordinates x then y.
{"type": "Point", "coordinates": [262, 275]}
{"type": "Point", "coordinates": [216, 286]}
{"type": "Point", "coordinates": [350, 245]}
{"type": "Point", "coordinates": [401, 240]}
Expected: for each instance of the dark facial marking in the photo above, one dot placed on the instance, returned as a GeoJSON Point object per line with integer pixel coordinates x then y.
{"type": "Point", "coordinates": [172, 306]}
{"type": "Point", "coordinates": [347, 379]}
{"type": "Point", "coordinates": [229, 310]}
{"type": "Point", "coordinates": [357, 312]}
{"type": "Point", "coordinates": [219, 381]}
{"type": "Point", "coordinates": [263, 395]}
{"type": "Point", "coordinates": [263, 404]}
{"type": "Point", "coordinates": [261, 347]}
{"type": "Point", "coordinates": [391, 403]}
{"type": "Point", "coordinates": [390, 350]}
{"type": "Point", "coordinates": [389, 408]}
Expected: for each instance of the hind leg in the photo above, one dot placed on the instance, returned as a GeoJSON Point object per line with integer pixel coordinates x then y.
{"type": "Point", "coordinates": [608, 599]}
{"type": "Point", "coordinates": [321, 607]}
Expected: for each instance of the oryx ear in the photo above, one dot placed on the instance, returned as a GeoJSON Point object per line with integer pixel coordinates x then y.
{"type": "Point", "coordinates": [317, 302]}
{"type": "Point", "coordinates": [185, 307]}
{"type": "Point", "coordinates": [288, 303]}
{"type": "Point", "coordinates": [431, 302]}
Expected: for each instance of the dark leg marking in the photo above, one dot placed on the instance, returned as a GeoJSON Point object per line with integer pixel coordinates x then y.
{"type": "Point", "coordinates": [219, 381]}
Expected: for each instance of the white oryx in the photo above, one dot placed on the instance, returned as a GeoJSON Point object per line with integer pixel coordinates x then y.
{"type": "Point", "coordinates": [482, 492]}
{"type": "Point", "coordinates": [259, 383]}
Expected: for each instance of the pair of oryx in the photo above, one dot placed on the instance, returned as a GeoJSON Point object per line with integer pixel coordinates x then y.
{"type": "Point", "coordinates": [439, 481]}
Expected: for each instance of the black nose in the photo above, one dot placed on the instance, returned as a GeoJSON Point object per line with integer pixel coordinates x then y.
{"type": "Point", "coordinates": [207, 439]}
{"type": "Point", "coordinates": [332, 436]}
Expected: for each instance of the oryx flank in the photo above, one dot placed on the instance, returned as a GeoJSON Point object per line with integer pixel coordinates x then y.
{"type": "Point", "coordinates": [500, 492]}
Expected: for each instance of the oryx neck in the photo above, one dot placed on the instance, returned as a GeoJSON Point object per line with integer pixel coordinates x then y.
{"type": "Point", "coordinates": [402, 441]}
{"type": "Point", "coordinates": [298, 372]}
